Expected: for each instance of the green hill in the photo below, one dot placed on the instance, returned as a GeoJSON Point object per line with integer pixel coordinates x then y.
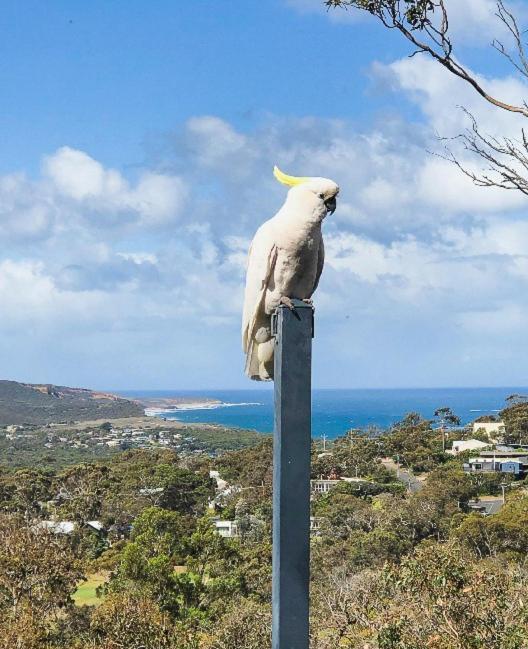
{"type": "Point", "coordinates": [24, 403]}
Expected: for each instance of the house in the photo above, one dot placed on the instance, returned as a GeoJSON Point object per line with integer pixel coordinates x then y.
{"type": "Point", "coordinates": [68, 527]}
{"type": "Point", "coordinates": [151, 491]}
{"type": "Point", "coordinates": [227, 529]}
{"type": "Point", "coordinates": [480, 465]}
{"type": "Point", "coordinates": [322, 486]}
{"type": "Point", "coordinates": [516, 467]}
{"type": "Point", "coordinates": [315, 526]}
{"type": "Point", "coordinates": [486, 506]}
{"type": "Point", "coordinates": [503, 452]}
{"type": "Point", "coordinates": [461, 445]}
{"type": "Point", "coordinates": [221, 484]}
{"type": "Point", "coordinates": [57, 527]}
{"type": "Point", "coordinates": [498, 461]}
{"type": "Point", "coordinates": [512, 448]}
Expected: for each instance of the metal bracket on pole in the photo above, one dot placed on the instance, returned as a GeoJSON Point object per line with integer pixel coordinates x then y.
{"type": "Point", "coordinates": [293, 332]}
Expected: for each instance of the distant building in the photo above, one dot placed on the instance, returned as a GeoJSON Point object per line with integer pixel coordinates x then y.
{"type": "Point", "coordinates": [315, 526]}
{"type": "Point", "coordinates": [221, 484]}
{"type": "Point", "coordinates": [486, 507]}
{"type": "Point", "coordinates": [499, 462]}
{"type": "Point", "coordinates": [227, 529]}
{"type": "Point", "coordinates": [151, 491]}
{"type": "Point", "coordinates": [96, 526]}
{"type": "Point", "coordinates": [459, 446]}
{"type": "Point", "coordinates": [68, 527]}
{"type": "Point", "coordinates": [516, 467]}
{"type": "Point", "coordinates": [323, 486]}
{"type": "Point", "coordinates": [57, 527]}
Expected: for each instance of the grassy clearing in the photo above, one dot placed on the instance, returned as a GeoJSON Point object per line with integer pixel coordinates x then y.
{"type": "Point", "coordinates": [85, 595]}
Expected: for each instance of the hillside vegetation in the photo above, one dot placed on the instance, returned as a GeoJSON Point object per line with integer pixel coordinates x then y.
{"type": "Point", "coordinates": [141, 564]}
{"type": "Point", "coordinates": [24, 403]}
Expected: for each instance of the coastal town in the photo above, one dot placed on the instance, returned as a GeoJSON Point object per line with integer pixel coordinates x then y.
{"type": "Point", "coordinates": [53, 443]}
{"type": "Point", "coordinates": [481, 447]}
{"type": "Point", "coordinates": [177, 516]}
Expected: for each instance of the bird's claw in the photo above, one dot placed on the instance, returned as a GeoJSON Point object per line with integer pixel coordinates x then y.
{"type": "Point", "coordinates": [308, 301]}
{"type": "Point", "coordinates": [291, 306]}
{"type": "Point", "coordinates": [287, 302]}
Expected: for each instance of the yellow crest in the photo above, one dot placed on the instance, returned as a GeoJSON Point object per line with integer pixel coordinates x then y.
{"type": "Point", "coordinates": [291, 181]}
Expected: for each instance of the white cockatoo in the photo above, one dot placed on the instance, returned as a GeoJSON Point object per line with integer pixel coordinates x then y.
{"type": "Point", "coordinates": [285, 261]}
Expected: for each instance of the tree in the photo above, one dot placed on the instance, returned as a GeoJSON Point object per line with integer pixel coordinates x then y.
{"type": "Point", "coordinates": [246, 625]}
{"type": "Point", "coordinates": [134, 622]}
{"type": "Point", "coordinates": [38, 572]}
{"type": "Point", "coordinates": [425, 24]}
{"type": "Point", "coordinates": [446, 416]}
{"type": "Point", "coordinates": [504, 533]}
{"type": "Point", "coordinates": [82, 488]}
{"type": "Point", "coordinates": [515, 417]}
{"type": "Point", "coordinates": [415, 443]}
{"type": "Point", "coordinates": [31, 488]}
{"type": "Point", "coordinates": [440, 597]}
{"type": "Point", "coordinates": [183, 490]}
{"type": "Point", "coordinates": [148, 561]}
{"type": "Point", "coordinates": [251, 467]}
{"type": "Point", "coordinates": [355, 454]}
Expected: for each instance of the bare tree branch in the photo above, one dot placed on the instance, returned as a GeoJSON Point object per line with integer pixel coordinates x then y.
{"type": "Point", "coordinates": [493, 151]}
{"type": "Point", "coordinates": [419, 17]}
{"type": "Point", "coordinates": [425, 24]}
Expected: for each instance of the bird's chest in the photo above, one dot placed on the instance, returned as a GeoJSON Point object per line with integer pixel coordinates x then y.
{"type": "Point", "coordinates": [296, 265]}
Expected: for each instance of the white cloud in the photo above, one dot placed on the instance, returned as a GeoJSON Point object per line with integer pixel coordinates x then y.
{"type": "Point", "coordinates": [77, 175]}
{"type": "Point", "coordinates": [474, 22]}
{"type": "Point", "coordinates": [439, 94]}
{"type": "Point", "coordinates": [74, 175]}
{"type": "Point", "coordinates": [414, 252]}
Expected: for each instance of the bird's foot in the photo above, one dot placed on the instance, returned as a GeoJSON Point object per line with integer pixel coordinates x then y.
{"type": "Point", "coordinates": [308, 301]}
{"type": "Point", "coordinates": [287, 302]}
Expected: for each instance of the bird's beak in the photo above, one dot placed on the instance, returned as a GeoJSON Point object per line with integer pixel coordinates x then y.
{"type": "Point", "coordinates": [331, 204]}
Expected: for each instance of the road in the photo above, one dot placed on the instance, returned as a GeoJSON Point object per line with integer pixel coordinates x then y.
{"type": "Point", "coordinates": [408, 479]}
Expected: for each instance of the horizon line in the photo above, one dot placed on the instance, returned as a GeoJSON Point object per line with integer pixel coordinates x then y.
{"type": "Point", "coordinates": [270, 388]}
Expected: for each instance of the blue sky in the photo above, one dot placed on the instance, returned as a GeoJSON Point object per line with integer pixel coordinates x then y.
{"type": "Point", "coordinates": [137, 141]}
{"type": "Point", "coordinates": [112, 77]}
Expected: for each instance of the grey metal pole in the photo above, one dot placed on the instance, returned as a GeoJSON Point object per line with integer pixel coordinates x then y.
{"type": "Point", "coordinates": [291, 476]}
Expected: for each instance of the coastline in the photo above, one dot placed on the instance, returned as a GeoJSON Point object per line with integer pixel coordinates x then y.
{"type": "Point", "coordinates": [333, 411]}
{"type": "Point", "coordinates": [169, 409]}
{"type": "Point", "coordinates": [156, 411]}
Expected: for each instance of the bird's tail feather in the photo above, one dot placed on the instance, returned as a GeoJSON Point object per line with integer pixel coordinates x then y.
{"type": "Point", "coordinates": [255, 369]}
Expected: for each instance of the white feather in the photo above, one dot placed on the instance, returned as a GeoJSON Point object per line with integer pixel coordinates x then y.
{"type": "Point", "coordinates": [285, 259]}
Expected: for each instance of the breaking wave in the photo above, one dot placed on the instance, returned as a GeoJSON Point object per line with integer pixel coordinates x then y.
{"type": "Point", "coordinates": [206, 405]}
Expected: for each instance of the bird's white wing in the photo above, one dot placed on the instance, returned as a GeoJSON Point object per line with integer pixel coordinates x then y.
{"type": "Point", "coordinates": [261, 264]}
{"type": "Point", "coordinates": [320, 264]}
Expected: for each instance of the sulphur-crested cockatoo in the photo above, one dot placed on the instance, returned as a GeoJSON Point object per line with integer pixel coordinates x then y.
{"type": "Point", "coordinates": [285, 261]}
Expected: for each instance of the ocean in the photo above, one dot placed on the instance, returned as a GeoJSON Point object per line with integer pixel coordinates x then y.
{"type": "Point", "coordinates": [335, 411]}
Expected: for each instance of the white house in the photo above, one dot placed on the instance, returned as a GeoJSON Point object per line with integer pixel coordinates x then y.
{"type": "Point", "coordinates": [221, 484]}
{"type": "Point", "coordinates": [57, 527]}
{"type": "Point", "coordinates": [227, 529]}
{"type": "Point", "coordinates": [461, 445]}
{"type": "Point", "coordinates": [323, 486]}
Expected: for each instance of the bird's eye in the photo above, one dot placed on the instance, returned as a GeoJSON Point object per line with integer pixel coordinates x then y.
{"type": "Point", "coordinates": [321, 196]}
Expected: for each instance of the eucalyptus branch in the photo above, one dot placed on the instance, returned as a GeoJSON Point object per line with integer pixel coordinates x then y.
{"type": "Point", "coordinates": [495, 152]}
{"type": "Point", "coordinates": [416, 20]}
